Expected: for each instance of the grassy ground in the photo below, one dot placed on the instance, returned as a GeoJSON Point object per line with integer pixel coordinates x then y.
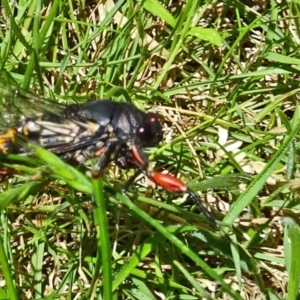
{"type": "Point", "coordinates": [224, 79]}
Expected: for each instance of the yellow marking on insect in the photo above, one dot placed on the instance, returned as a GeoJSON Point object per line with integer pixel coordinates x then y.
{"type": "Point", "coordinates": [92, 126]}
{"type": "Point", "coordinates": [25, 130]}
{"type": "Point", "coordinates": [99, 152]}
{"type": "Point", "coordinates": [6, 138]}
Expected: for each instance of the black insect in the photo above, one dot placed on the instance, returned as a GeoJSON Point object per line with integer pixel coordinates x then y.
{"type": "Point", "coordinates": [114, 131]}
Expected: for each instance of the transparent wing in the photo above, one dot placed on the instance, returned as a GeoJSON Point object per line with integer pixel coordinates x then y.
{"type": "Point", "coordinates": [16, 104]}
{"type": "Point", "coordinates": [21, 126]}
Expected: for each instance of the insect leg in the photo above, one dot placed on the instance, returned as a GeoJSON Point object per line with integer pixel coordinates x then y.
{"type": "Point", "coordinates": [167, 182]}
{"type": "Point", "coordinates": [173, 184]}
{"type": "Point", "coordinates": [130, 181]}
{"type": "Point", "coordinates": [105, 155]}
{"type": "Point", "coordinates": [125, 160]}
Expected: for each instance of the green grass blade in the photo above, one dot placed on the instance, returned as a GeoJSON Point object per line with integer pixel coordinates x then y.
{"type": "Point", "coordinates": [7, 273]}
{"type": "Point", "coordinates": [258, 182]}
{"type": "Point", "coordinates": [179, 244]}
{"type": "Point", "coordinates": [104, 248]}
{"type": "Point", "coordinates": [292, 252]}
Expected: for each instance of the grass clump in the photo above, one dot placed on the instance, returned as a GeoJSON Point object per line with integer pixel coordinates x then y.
{"type": "Point", "coordinates": [224, 79]}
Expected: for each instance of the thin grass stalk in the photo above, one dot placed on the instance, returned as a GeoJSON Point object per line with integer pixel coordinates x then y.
{"type": "Point", "coordinates": [103, 237]}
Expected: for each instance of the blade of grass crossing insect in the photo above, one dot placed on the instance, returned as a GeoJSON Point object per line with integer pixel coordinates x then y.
{"type": "Point", "coordinates": [103, 238]}
{"type": "Point", "coordinates": [63, 171]}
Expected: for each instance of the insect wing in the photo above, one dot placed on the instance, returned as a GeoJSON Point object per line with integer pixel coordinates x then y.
{"type": "Point", "coordinates": [35, 119]}
{"type": "Point", "coordinates": [27, 117]}
{"type": "Point", "coordinates": [17, 104]}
